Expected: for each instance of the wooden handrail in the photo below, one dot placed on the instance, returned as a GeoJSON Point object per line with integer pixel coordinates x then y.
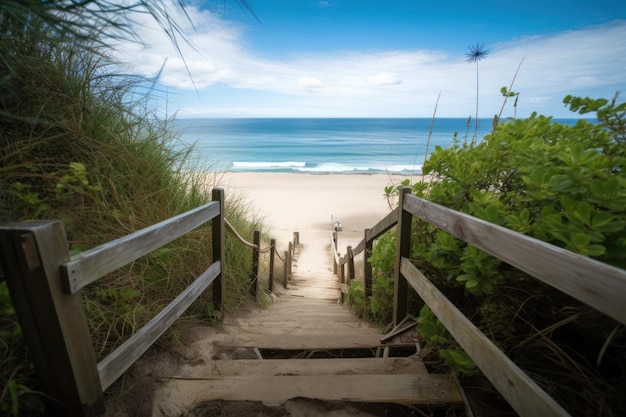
{"type": "Point", "coordinates": [52, 315]}
{"type": "Point", "coordinates": [116, 363]}
{"type": "Point", "coordinates": [91, 265]}
{"type": "Point", "coordinates": [566, 271]}
{"type": "Point", "coordinates": [522, 393]}
{"type": "Point", "coordinates": [387, 223]}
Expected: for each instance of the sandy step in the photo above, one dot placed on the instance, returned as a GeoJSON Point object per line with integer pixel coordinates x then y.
{"type": "Point", "coordinates": [270, 367]}
{"type": "Point", "coordinates": [184, 394]}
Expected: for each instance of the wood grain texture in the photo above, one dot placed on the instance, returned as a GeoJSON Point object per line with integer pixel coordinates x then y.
{"type": "Point", "coordinates": [218, 235]}
{"type": "Point", "coordinates": [320, 366]}
{"type": "Point", "coordinates": [599, 285]}
{"type": "Point", "coordinates": [114, 365]}
{"type": "Point", "coordinates": [403, 249]}
{"type": "Point", "coordinates": [276, 390]}
{"type": "Point", "coordinates": [522, 393]}
{"type": "Point", "coordinates": [53, 322]}
{"type": "Point", "coordinates": [91, 265]}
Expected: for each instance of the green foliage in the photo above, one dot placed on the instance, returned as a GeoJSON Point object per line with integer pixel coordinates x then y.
{"type": "Point", "coordinates": [459, 361]}
{"type": "Point", "coordinates": [382, 260]}
{"type": "Point", "coordinates": [76, 182]}
{"type": "Point", "coordinates": [431, 329]}
{"type": "Point", "coordinates": [564, 184]}
{"type": "Point", "coordinates": [358, 301]}
{"type": "Point", "coordinates": [79, 144]}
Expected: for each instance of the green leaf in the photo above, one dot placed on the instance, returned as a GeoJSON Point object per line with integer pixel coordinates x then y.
{"type": "Point", "coordinates": [581, 240]}
{"type": "Point", "coordinates": [582, 212]}
{"type": "Point", "coordinates": [595, 250]}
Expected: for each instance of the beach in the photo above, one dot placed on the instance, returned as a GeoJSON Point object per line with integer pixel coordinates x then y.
{"type": "Point", "coordinates": [310, 203]}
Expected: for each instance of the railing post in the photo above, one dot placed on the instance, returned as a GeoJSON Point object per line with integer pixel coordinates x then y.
{"type": "Point", "coordinates": [254, 274]}
{"type": "Point", "coordinates": [335, 243]}
{"type": "Point", "coordinates": [218, 236]}
{"type": "Point", "coordinates": [296, 238]}
{"type": "Point", "coordinates": [53, 322]}
{"type": "Point", "coordinates": [272, 252]}
{"type": "Point", "coordinates": [403, 249]}
{"type": "Point", "coordinates": [286, 268]}
{"type": "Point", "coordinates": [367, 266]}
{"type": "Point", "coordinates": [350, 277]}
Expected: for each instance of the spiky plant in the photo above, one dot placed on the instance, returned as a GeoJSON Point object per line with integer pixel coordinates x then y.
{"type": "Point", "coordinates": [476, 53]}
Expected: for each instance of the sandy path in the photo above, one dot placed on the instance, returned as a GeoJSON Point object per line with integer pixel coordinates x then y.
{"type": "Point", "coordinates": [308, 203]}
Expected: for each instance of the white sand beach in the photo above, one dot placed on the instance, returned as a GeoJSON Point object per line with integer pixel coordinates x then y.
{"type": "Point", "coordinates": [308, 203]}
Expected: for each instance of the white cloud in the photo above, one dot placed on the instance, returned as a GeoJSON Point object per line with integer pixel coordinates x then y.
{"type": "Point", "coordinates": [310, 84]}
{"type": "Point", "coordinates": [590, 61]}
{"type": "Point", "coordinates": [383, 78]}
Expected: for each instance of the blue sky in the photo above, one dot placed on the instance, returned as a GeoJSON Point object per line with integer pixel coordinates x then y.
{"type": "Point", "coordinates": [361, 58]}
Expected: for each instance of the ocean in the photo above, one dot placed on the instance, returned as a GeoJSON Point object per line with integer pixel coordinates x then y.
{"type": "Point", "coordinates": [322, 145]}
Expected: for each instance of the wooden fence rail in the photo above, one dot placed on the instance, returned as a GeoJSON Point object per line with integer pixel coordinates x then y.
{"type": "Point", "coordinates": [601, 286]}
{"type": "Point", "coordinates": [344, 265]}
{"type": "Point", "coordinates": [45, 285]}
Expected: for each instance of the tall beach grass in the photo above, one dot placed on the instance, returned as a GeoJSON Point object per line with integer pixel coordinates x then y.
{"type": "Point", "coordinates": [78, 143]}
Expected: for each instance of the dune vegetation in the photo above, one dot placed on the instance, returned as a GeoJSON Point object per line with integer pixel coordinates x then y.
{"type": "Point", "coordinates": [79, 143]}
{"type": "Point", "coordinates": [560, 183]}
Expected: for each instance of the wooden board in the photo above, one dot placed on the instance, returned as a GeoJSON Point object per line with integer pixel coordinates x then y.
{"type": "Point", "coordinates": [271, 367]}
{"type": "Point", "coordinates": [524, 395]}
{"type": "Point", "coordinates": [310, 342]}
{"type": "Point", "coordinates": [599, 285]}
{"type": "Point", "coordinates": [276, 390]}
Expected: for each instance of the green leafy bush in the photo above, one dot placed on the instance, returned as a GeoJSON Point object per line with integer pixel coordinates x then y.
{"type": "Point", "coordinates": [561, 183]}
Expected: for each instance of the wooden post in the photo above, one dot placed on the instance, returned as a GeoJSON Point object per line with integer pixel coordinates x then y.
{"type": "Point", "coordinates": [272, 252]}
{"type": "Point", "coordinates": [53, 322]}
{"type": "Point", "coordinates": [286, 268]}
{"type": "Point", "coordinates": [350, 277]}
{"type": "Point", "coordinates": [254, 274]}
{"type": "Point", "coordinates": [403, 249]}
{"type": "Point", "coordinates": [367, 266]}
{"type": "Point", "coordinates": [334, 250]}
{"type": "Point", "coordinates": [217, 236]}
{"type": "Point", "coordinates": [341, 277]}
{"type": "Point", "coordinates": [296, 238]}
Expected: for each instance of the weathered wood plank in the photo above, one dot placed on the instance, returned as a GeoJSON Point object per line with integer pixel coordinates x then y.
{"type": "Point", "coordinates": [116, 363]}
{"type": "Point", "coordinates": [403, 248]}
{"type": "Point", "coordinates": [522, 393]}
{"type": "Point", "coordinates": [599, 285]}
{"type": "Point", "coordinates": [53, 322]}
{"type": "Point", "coordinates": [270, 367]}
{"type": "Point", "coordinates": [87, 267]}
{"type": "Point", "coordinates": [310, 342]}
{"type": "Point", "coordinates": [276, 390]}
{"type": "Point", "coordinates": [218, 234]}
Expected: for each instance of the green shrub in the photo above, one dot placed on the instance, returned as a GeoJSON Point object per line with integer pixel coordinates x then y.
{"type": "Point", "coordinates": [560, 183]}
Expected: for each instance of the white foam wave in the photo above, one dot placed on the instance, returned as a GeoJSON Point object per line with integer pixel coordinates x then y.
{"type": "Point", "coordinates": [268, 165]}
{"type": "Point", "coordinates": [342, 168]}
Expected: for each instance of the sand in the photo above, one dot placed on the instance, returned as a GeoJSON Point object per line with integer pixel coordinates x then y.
{"type": "Point", "coordinates": [310, 203]}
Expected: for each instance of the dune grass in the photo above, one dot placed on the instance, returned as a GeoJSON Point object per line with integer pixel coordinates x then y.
{"type": "Point", "coordinates": [79, 143]}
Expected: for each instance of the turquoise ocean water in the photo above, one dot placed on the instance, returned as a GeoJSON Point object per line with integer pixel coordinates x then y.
{"type": "Point", "coordinates": [329, 145]}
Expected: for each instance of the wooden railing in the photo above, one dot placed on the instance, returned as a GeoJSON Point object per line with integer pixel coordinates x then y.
{"type": "Point", "coordinates": [45, 284]}
{"type": "Point", "coordinates": [601, 286]}
{"type": "Point", "coordinates": [343, 266]}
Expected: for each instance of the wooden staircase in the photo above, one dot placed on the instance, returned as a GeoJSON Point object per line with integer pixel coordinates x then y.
{"type": "Point", "coordinates": [304, 345]}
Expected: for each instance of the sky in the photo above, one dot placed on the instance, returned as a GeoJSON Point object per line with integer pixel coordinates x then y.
{"type": "Point", "coordinates": [385, 58]}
